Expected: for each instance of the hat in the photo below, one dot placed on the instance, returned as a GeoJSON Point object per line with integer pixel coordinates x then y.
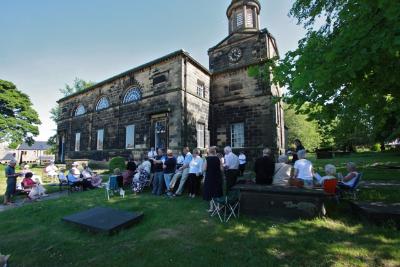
{"type": "Point", "coordinates": [75, 164]}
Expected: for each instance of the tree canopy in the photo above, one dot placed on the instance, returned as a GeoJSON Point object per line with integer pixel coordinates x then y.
{"type": "Point", "coordinates": [77, 86]}
{"type": "Point", "coordinates": [345, 71]}
{"type": "Point", "coordinates": [18, 120]}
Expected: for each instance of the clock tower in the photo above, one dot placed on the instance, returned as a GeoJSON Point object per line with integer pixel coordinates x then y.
{"type": "Point", "coordinates": [244, 114]}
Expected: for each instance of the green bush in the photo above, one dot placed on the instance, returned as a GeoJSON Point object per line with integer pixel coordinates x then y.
{"type": "Point", "coordinates": [376, 148]}
{"type": "Point", "coordinates": [117, 162]}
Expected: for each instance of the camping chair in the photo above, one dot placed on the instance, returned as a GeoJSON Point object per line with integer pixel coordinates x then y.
{"type": "Point", "coordinates": [63, 181]}
{"type": "Point", "coordinates": [227, 206]}
{"type": "Point", "coordinates": [352, 191]}
{"type": "Point", "coordinates": [112, 187]}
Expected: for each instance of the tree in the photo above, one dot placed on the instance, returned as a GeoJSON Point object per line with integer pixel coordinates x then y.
{"type": "Point", "coordinates": [301, 127]}
{"type": "Point", "coordinates": [78, 86]}
{"type": "Point", "coordinates": [18, 120]}
{"type": "Point", "coordinates": [345, 72]}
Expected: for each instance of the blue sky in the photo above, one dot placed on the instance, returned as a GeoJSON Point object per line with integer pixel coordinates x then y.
{"type": "Point", "coordinates": [47, 43]}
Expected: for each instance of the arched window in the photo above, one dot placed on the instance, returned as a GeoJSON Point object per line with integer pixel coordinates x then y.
{"type": "Point", "coordinates": [102, 104]}
{"type": "Point", "coordinates": [132, 95]}
{"type": "Point", "coordinates": [80, 110]}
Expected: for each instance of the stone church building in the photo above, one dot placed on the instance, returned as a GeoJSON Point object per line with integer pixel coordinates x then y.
{"type": "Point", "coordinates": [174, 101]}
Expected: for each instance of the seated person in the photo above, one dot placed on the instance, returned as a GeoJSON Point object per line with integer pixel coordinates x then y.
{"type": "Point", "coordinates": [303, 171]}
{"type": "Point", "coordinates": [74, 178]}
{"type": "Point", "coordinates": [51, 170]}
{"type": "Point", "coordinates": [330, 173]}
{"type": "Point", "coordinates": [61, 176]}
{"type": "Point", "coordinates": [348, 181]}
{"type": "Point", "coordinates": [140, 178]}
{"type": "Point", "coordinates": [265, 168]}
{"type": "Point", "coordinates": [37, 190]}
{"type": "Point", "coordinates": [35, 178]}
{"type": "Point", "coordinates": [128, 174]}
{"type": "Point", "coordinates": [282, 171]}
{"type": "Point", "coordinates": [88, 174]}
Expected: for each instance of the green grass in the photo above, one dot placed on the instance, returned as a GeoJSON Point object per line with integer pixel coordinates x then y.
{"type": "Point", "coordinates": [179, 232]}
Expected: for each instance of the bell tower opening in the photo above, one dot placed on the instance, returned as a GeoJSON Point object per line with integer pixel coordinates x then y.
{"type": "Point", "coordinates": [243, 16]}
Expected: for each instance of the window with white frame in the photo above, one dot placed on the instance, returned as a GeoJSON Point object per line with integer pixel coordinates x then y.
{"type": "Point", "coordinates": [77, 142]}
{"type": "Point", "coordinates": [200, 127]}
{"type": "Point", "coordinates": [103, 103]}
{"type": "Point", "coordinates": [80, 110]}
{"type": "Point", "coordinates": [237, 135]}
{"type": "Point", "coordinates": [249, 18]}
{"type": "Point", "coordinates": [100, 139]}
{"type": "Point", "coordinates": [239, 19]}
{"type": "Point", "coordinates": [201, 89]}
{"type": "Point", "coordinates": [130, 137]}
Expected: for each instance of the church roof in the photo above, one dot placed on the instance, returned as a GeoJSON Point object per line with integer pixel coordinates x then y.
{"type": "Point", "coordinates": [146, 65]}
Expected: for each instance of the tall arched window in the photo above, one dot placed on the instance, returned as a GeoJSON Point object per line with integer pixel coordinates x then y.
{"type": "Point", "coordinates": [80, 110]}
{"type": "Point", "coordinates": [102, 104]}
{"type": "Point", "coordinates": [132, 95]}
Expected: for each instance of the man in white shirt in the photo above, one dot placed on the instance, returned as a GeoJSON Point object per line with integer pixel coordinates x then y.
{"type": "Point", "coordinates": [242, 163]}
{"type": "Point", "coordinates": [231, 166]}
{"type": "Point", "coordinates": [152, 153]}
{"type": "Point", "coordinates": [182, 173]}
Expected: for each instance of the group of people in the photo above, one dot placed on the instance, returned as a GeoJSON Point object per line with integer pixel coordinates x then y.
{"type": "Point", "coordinates": [30, 182]}
{"type": "Point", "coordinates": [299, 171]}
{"type": "Point", "coordinates": [85, 177]}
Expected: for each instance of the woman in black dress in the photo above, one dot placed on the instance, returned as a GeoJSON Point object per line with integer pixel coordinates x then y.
{"type": "Point", "coordinates": [213, 168]}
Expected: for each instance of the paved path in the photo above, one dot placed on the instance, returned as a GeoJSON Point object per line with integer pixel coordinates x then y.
{"type": "Point", "coordinates": [23, 201]}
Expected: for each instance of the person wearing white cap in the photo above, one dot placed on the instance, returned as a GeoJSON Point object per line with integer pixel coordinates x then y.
{"type": "Point", "coordinates": [11, 181]}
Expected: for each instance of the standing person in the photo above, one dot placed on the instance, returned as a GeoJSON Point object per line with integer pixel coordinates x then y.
{"type": "Point", "coordinates": [265, 168]}
{"type": "Point", "coordinates": [195, 173]}
{"type": "Point", "coordinates": [158, 173]}
{"type": "Point", "coordinates": [242, 163]}
{"type": "Point", "coordinates": [11, 181]}
{"type": "Point", "coordinates": [213, 168]}
{"type": "Point", "coordinates": [231, 168]}
{"type": "Point", "coordinates": [303, 170]}
{"type": "Point", "coordinates": [169, 170]}
{"type": "Point", "coordinates": [185, 172]}
{"type": "Point", "coordinates": [152, 153]}
{"type": "Point", "coordinates": [299, 147]}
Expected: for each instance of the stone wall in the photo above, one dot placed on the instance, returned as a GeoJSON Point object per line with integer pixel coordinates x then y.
{"type": "Point", "coordinates": [162, 96]}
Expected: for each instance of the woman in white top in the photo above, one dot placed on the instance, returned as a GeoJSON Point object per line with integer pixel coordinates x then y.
{"type": "Point", "coordinates": [330, 173]}
{"type": "Point", "coordinates": [349, 180]}
{"type": "Point", "coordinates": [303, 170]}
{"type": "Point", "coordinates": [195, 173]}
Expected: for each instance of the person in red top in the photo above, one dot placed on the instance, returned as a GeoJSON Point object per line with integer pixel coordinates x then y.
{"type": "Point", "coordinates": [37, 190]}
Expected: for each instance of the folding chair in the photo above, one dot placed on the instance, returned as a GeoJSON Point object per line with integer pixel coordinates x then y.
{"type": "Point", "coordinates": [112, 187]}
{"type": "Point", "coordinates": [227, 206]}
{"type": "Point", "coordinates": [352, 191]}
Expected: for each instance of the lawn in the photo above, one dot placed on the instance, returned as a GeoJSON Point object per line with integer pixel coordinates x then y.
{"type": "Point", "coordinates": [179, 232]}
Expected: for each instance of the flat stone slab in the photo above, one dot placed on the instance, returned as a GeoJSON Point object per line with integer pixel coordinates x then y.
{"type": "Point", "coordinates": [281, 202]}
{"type": "Point", "coordinates": [104, 220]}
{"type": "Point", "coordinates": [378, 212]}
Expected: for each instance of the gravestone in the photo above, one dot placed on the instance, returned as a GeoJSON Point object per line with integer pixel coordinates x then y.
{"type": "Point", "coordinates": [104, 220]}
{"type": "Point", "coordinates": [378, 212]}
{"type": "Point", "coordinates": [281, 202]}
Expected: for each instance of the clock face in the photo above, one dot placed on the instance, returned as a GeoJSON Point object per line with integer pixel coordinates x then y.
{"type": "Point", "coordinates": [235, 55]}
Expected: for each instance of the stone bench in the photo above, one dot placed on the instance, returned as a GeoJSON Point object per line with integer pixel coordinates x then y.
{"type": "Point", "coordinates": [378, 212]}
{"type": "Point", "coordinates": [282, 202]}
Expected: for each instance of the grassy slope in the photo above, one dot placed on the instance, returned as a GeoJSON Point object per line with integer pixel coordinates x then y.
{"type": "Point", "coordinates": [178, 232]}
